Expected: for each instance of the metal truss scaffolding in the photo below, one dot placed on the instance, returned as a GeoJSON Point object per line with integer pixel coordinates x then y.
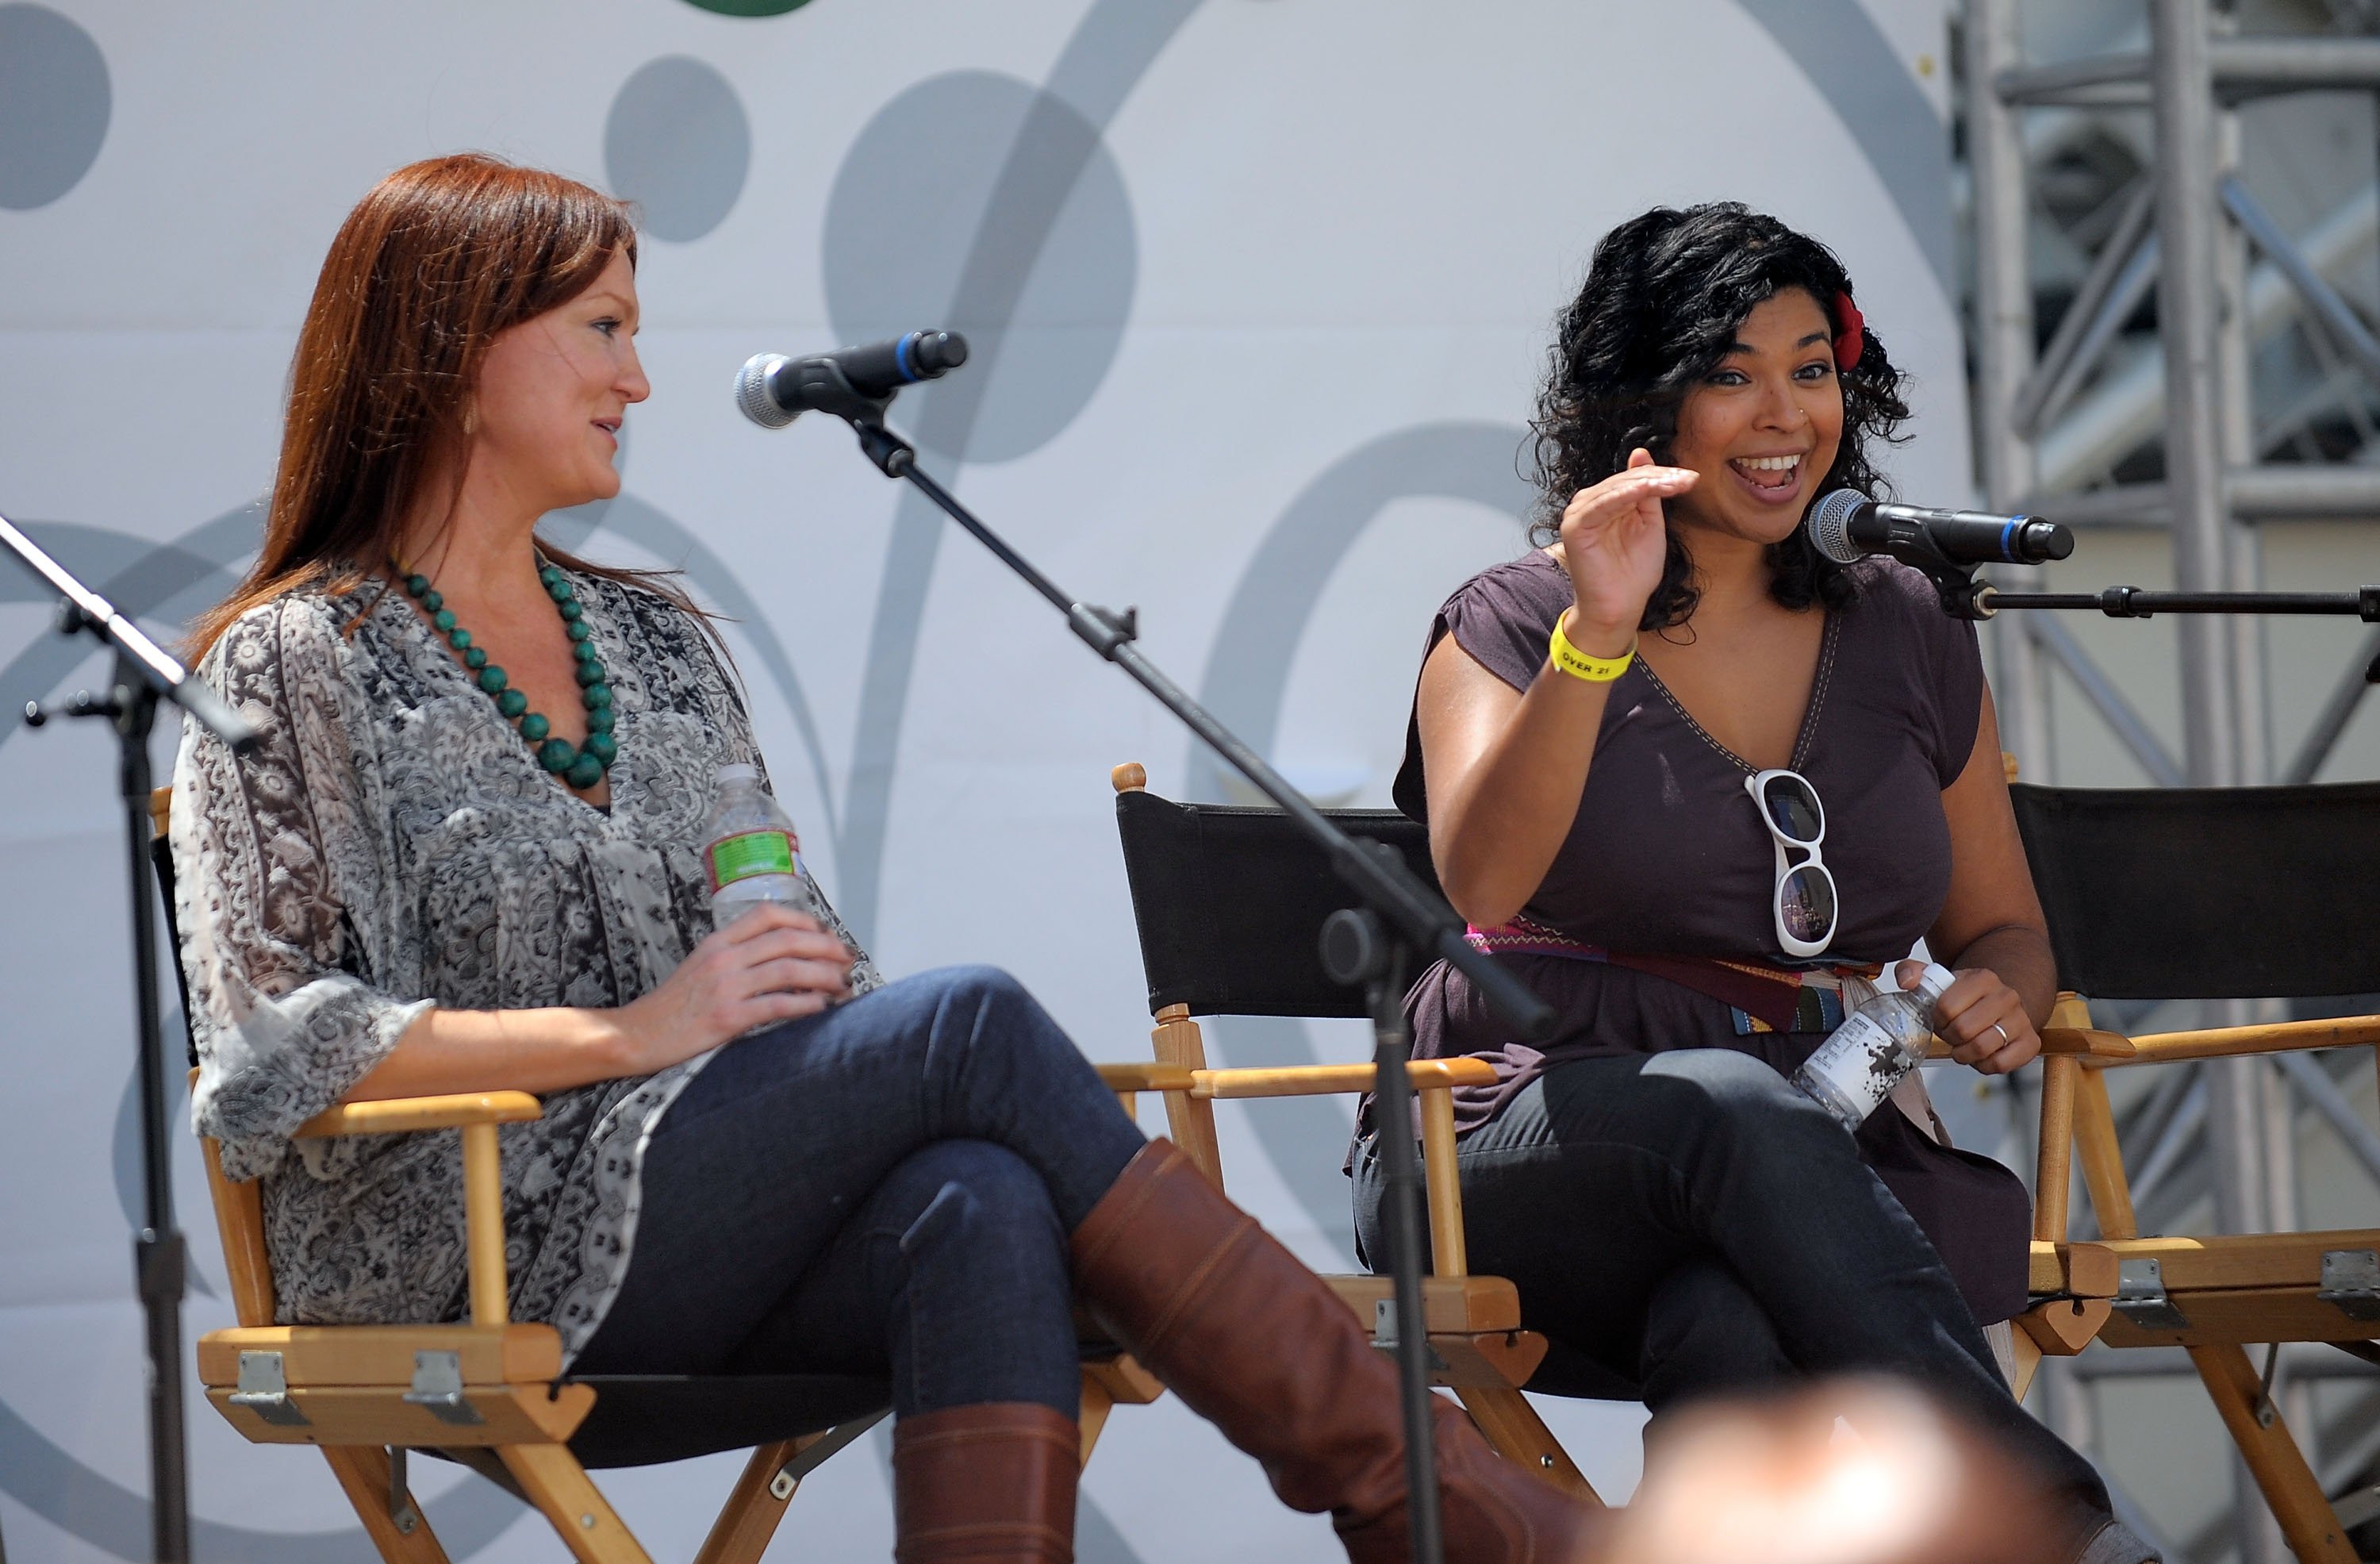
{"type": "Point", "coordinates": [2191, 231]}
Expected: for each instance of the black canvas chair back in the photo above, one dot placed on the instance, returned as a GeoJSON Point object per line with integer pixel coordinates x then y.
{"type": "Point", "coordinates": [160, 858]}
{"type": "Point", "coordinates": [2208, 893]}
{"type": "Point", "coordinates": [1231, 903]}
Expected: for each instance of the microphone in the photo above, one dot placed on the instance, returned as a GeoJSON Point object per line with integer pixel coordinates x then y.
{"type": "Point", "coordinates": [1846, 524]}
{"type": "Point", "coordinates": [773, 390]}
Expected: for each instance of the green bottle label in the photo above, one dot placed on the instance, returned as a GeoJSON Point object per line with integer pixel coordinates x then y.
{"type": "Point", "coordinates": [751, 852]}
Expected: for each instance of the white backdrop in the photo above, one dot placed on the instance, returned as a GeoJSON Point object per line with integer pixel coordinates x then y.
{"type": "Point", "coordinates": [1258, 289]}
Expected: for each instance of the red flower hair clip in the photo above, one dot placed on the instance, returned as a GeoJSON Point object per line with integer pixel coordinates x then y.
{"type": "Point", "coordinates": [1851, 331]}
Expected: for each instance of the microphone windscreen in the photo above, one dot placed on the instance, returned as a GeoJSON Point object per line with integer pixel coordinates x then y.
{"type": "Point", "coordinates": [752, 391]}
{"type": "Point", "coordinates": [1830, 524]}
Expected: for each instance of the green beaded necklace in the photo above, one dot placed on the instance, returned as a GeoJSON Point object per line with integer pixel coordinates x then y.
{"type": "Point", "coordinates": [581, 767]}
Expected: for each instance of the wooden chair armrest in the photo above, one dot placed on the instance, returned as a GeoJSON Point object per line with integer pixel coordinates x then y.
{"type": "Point", "coordinates": [2230, 1042]}
{"type": "Point", "coordinates": [2088, 1043]}
{"type": "Point", "coordinates": [1433, 1081]}
{"type": "Point", "coordinates": [1147, 1077]}
{"type": "Point", "coordinates": [396, 1114]}
{"type": "Point", "coordinates": [2112, 1047]}
{"type": "Point", "coordinates": [477, 1114]}
{"type": "Point", "coordinates": [1306, 1081]}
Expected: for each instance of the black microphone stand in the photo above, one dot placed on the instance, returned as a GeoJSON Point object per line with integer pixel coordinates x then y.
{"type": "Point", "coordinates": [1965, 596]}
{"type": "Point", "coordinates": [1374, 944]}
{"type": "Point", "coordinates": [143, 675]}
{"type": "Point", "coordinates": [2139, 602]}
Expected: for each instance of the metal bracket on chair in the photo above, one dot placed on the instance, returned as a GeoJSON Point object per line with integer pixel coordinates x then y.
{"type": "Point", "coordinates": [2265, 1411]}
{"type": "Point", "coordinates": [812, 1456]}
{"type": "Point", "coordinates": [264, 1390]}
{"type": "Point", "coordinates": [401, 1513]}
{"type": "Point", "coordinates": [2350, 1282]}
{"type": "Point", "coordinates": [1384, 1332]}
{"type": "Point", "coordinates": [2140, 1296]}
{"type": "Point", "coordinates": [438, 1386]}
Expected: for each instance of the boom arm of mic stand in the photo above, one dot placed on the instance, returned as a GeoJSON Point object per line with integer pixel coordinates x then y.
{"type": "Point", "coordinates": [85, 609]}
{"type": "Point", "coordinates": [2139, 602]}
{"type": "Point", "coordinates": [1376, 872]}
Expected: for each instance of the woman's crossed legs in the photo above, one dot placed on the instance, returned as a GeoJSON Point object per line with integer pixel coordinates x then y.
{"type": "Point", "coordinates": [1686, 1223]}
{"type": "Point", "coordinates": [886, 1188]}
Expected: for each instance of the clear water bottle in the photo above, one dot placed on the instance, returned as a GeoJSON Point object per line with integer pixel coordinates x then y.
{"type": "Point", "coordinates": [749, 850]}
{"type": "Point", "coordinates": [1860, 1063]}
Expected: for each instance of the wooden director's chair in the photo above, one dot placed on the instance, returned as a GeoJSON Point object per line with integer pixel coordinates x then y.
{"type": "Point", "coordinates": [490, 1394]}
{"type": "Point", "coordinates": [1230, 905]}
{"type": "Point", "coordinates": [2203, 894]}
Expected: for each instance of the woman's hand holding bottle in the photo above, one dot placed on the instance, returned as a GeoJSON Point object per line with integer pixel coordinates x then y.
{"type": "Point", "coordinates": [1983, 1020]}
{"type": "Point", "coordinates": [770, 964]}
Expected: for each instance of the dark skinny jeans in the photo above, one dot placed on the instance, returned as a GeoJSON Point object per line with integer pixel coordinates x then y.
{"type": "Point", "coordinates": [883, 1190]}
{"type": "Point", "coordinates": [1686, 1223]}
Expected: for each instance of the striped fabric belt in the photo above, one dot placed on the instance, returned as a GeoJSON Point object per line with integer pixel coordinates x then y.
{"type": "Point", "coordinates": [1765, 996]}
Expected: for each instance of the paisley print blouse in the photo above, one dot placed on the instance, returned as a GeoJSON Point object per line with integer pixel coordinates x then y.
{"type": "Point", "coordinates": [392, 845]}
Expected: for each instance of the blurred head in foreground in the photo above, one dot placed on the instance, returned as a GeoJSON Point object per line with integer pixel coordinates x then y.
{"type": "Point", "coordinates": [1848, 1472]}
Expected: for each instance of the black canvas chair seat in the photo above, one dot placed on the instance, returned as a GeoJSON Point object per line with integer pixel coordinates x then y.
{"type": "Point", "coordinates": [650, 1419]}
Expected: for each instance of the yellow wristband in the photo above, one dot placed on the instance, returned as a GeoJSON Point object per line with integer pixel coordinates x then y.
{"type": "Point", "coordinates": [1578, 664]}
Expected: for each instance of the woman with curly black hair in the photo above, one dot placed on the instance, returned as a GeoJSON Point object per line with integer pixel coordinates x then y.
{"type": "Point", "coordinates": [1624, 744]}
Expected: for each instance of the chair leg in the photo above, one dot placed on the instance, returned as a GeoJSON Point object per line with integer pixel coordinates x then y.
{"type": "Point", "coordinates": [2027, 1357]}
{"type": "Point", "coordinates": [1520, 1436]}
{"type": "Point", "coordinates": [1097, 1403]}
{"type": "Point", "coordinates": [2307, 1521]}
{"type": "Point", "coordinates": [754, 1508]}
{"type": "Point", "coordinates": [362, 1470]}
{"type": "Point", "coordinates": [557, 1484]}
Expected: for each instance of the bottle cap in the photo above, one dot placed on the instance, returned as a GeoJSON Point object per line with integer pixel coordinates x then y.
{"type": "Point", "coordinates": [739, 773]}
{"type": "Point", "coordinates": [1935, 982]}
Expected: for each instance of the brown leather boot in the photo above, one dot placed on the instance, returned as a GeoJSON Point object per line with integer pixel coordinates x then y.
{"type": "Point", "coordinates": [989, 1483]}
{"type": "Point", "coordinates": [1260, 1347]}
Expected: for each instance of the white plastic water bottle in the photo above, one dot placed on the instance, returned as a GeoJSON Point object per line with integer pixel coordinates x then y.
{"type": "Point", "coordinates": [1857, 1066]}
{"type": "Point", "coordinates": [749, 850]}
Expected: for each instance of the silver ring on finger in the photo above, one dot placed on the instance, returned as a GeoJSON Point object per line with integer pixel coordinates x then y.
{"type": "Point", "coordinates": [2005, 1038]}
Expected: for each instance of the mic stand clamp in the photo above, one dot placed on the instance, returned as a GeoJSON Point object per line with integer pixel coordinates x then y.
{"type": "Point", "coordinates": [1962, 596]}
{"type": "Point", "coordinates": [825, 388]}
{"type": "Point", "coordinates": [1376, 944]}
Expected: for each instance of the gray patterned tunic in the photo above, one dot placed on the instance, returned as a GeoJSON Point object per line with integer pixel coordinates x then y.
{"type": "Point", "coordinates": [392, 845]}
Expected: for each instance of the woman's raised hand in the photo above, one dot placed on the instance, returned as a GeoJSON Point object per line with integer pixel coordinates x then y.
{"type": "Point", "coordinates": [1615, 545]}
{"type": "Point", "coordinates": [771, 964]}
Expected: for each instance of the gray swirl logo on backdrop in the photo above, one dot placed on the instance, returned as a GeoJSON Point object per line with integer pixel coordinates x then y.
{"type": "Point", "coordinates": [678, 145]}
{"type": "Point", "coordinates": [54, 106]}
{"type": "Point", "coordinates": [907, 227]}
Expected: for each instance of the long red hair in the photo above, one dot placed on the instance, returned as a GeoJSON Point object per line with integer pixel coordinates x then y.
{"type": "Point", "coordinates": [440, 257]}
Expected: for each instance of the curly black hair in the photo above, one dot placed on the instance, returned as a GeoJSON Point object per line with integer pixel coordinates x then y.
{"type": "Point", "coordinates": [1663, 299]}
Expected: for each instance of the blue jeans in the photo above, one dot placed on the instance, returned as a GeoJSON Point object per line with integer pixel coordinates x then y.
{"type": "Point", "coordinates": [885, 1188]}
{"type": "Point", "coordinates": [1687, 1224]}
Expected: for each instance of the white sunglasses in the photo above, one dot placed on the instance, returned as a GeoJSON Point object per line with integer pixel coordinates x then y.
{"type": "Point", "coordinates": [1804, 902]}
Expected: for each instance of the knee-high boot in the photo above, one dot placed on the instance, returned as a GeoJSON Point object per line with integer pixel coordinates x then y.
{"type": "Point", "coordinates": [1259, 1346]}
{"type": "Point", "coordinates": [989, 1483]}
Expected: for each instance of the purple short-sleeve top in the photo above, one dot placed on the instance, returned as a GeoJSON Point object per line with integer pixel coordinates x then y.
{"type": "Point", "coordinates": [1668, 857]}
